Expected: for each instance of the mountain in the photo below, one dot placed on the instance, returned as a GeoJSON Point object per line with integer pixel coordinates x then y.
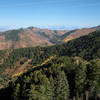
{"type": "Point", "coordinates": [32, 36]}
{"type": "Point", "coordinates": [96, 28]}
{"type": "Point", "coordinates": [61, 27]}
{"type": "Point", "coordinates": [14, 61]}
{"type": "Point", "coordinates": [28, 37]}
{"type": "Point", "coordinates": [61, 72]}
{"type": "Point", "coordinates": [50, 27]}
{"type": "Point", "coordinates": [78, 33]}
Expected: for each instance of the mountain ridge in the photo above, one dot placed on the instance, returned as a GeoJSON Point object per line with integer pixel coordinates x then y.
{"type": "Point", "coordinates": [33, 36]}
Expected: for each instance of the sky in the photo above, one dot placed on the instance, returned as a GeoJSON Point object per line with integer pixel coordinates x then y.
{"type": "Point", "coordinates": [27, 13]}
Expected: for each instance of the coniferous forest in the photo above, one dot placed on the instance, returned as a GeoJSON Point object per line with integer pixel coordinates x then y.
{"type": "Point", "coordinates": [69, 71]}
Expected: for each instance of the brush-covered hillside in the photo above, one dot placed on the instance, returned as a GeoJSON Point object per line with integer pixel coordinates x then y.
{"type": "Point", "coordinates": [29, 37]}
{"type": "Point", "coordinates": [78, 33]}
{"type": "Point", "coordinates": [60, 72]}
{"type": "Point", "coordinates": [32, 36]}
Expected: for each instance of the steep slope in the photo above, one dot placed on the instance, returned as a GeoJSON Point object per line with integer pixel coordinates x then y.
{"type": "Point", "coordinates": [28, 37]}
{"type": "Point", "coordinates": [96, 28]}
{"type": "Point", "coordinates": [61, 78]}
{"type": "Point", "coordinates": [87, 47]}
{"type": "Point", "coordinates": [32, 36]}
{"type": "Point", "coordinates": [21, 39]}
{"type": "Point", "coordinates": [78, 33]}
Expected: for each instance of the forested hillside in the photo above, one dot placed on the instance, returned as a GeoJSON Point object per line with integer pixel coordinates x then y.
{"type": "Point", "coordinates": [52, 75]}
{"type": "Point", "coordinates": [86, 47]}
{"type": "Point", "coordinates": [62, 78]}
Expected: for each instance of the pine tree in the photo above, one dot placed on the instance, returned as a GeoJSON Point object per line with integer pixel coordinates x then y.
{"type": "Point", "coordinates": [80, 77]}
{"type": "Point", "coordinates": [61, 87]}
{"type": "Point", "coordinates": [16, 92]}
{"type": "Point", "coordinates": [93, 74]}
{"type": "Point", "coordinates": [46, 90]}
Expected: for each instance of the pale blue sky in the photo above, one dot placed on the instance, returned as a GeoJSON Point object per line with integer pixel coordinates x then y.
{"type": "Point", "coordinates": [49, 12]}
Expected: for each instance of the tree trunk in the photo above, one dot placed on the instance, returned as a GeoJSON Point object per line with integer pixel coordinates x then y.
{"type": "Point", "coordinates": [82, 96]}
{"type": "Point", "coordinates": [74, 98]}
{"type": "Point", "coordinates": [87, 95]}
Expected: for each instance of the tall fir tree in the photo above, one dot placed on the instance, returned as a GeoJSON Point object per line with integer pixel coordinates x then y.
{"type": "Point", "coordinates": [61, 87]}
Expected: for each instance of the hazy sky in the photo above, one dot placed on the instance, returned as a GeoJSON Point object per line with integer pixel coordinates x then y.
{"type": "Point", "coordinates": [49, 12]}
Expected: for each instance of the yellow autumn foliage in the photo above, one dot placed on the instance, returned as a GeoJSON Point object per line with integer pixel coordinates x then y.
{"type": "Point", "coordinates": [68, 39]}
{"type": "Point", "coordinates": [46, 61]}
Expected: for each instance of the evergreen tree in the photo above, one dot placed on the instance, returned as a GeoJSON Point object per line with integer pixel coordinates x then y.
{"type": "Point", "coordinates": [61, 87]}
{"type": "Point", "coordinates": [93, 74]}
{"type": "Point", "coordinates": [16, 92]}
{"type": "Point", "coordinates": [80, 77]}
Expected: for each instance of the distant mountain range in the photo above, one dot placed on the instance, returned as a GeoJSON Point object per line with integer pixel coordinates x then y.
{"type": "Point", "coordinates": [32, 36]}
{"type": "Point", "coordinates": [6, 28]}
{"type": "Point", "coordinates": [61, 27]}
{"type": "Point", "coordinates": [51, 27]}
